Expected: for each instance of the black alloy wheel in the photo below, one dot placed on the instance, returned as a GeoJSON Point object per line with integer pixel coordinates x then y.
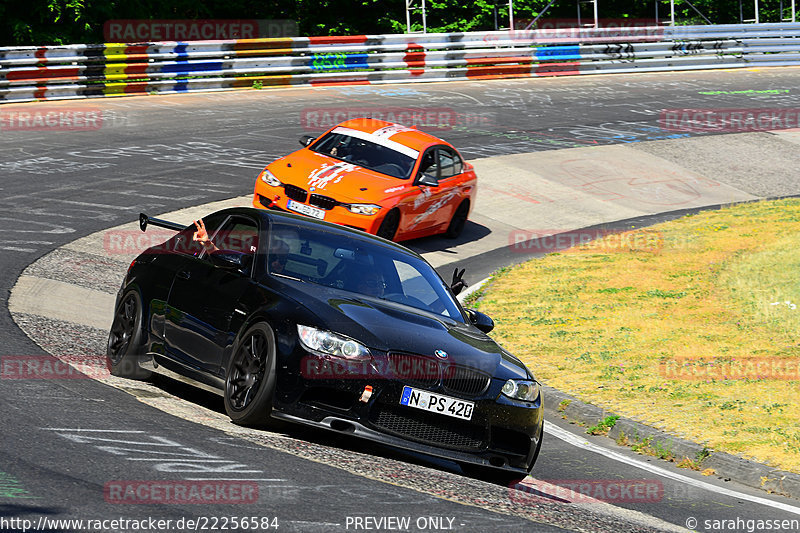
{"type": "Point", "coordinates": [250, 380]}
{"type": "Point", "coordinates": [125, 339]}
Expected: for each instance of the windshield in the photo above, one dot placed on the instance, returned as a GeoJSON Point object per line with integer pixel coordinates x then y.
{"type": "Point", "coordinates": [369, 151]}
{"type": "Point", "coordinates": [360, 267]}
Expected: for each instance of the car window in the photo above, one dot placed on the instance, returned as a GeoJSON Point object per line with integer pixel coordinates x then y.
{"type": "Point", "coordinates": [449, 162]}
{"type": "Point", "coordinates": [238, 234]}
{"type": "Point", "coordinates": [184, 243]}
{"type": "Point", "coordinates": [429, 165]}
{"type": "Point", "coordinates": [366, 153]}
{"type": "Point", "coordinates": [278, 255]}
{"type": "Point", "coordinates": [413, 284]}
{"type": "Point", "coordinates": [359, 266]}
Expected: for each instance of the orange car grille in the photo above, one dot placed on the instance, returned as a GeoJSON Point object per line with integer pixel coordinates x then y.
{"type": "Point", "coordinates": [295, 193]}
{"type": "Point", "coordinates": [299, 194]}
{"type": "Point", "coordinates": [325, 202]}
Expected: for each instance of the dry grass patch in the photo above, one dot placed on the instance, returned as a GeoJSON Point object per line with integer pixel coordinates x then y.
{"type": "Point", "coordinates": [614, 322]}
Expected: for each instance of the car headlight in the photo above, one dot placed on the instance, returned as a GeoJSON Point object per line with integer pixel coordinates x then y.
{"type": "Point", "coordinates": [270, 179]}
{"type": "Point", "coordinates": [521, 389]}
{"type": "Point", "coordinates": [363, 209]}
{"type": "Point", "coordinates": [331, 343]}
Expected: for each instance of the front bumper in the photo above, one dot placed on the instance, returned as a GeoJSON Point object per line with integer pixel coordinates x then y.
{"type": "Point", "coordinates": [502, 433]}
{"type": "Point", "coordinates": [357, 429]}
{"type": "Point", "coordinates": [264, 197]}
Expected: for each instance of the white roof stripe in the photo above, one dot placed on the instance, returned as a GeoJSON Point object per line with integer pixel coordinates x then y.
{"type": "Point", "coordinates": [388, 143]}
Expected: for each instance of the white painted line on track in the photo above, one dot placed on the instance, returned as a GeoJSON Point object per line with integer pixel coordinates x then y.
{"type": "Point", "coordinates": [14, 246]}
{"type": "Point", "coordinates": [229, 479]}
{"type": "Point", "coordinates": [575, 440]}
{"type": "Point", "coordinates": [96, 430]}
{"type": "Point", "coordinates": [91, 204]}
{"type": "Point", "coordinates": [184, 185]}
{"type": "Point", "coordinates": [16, 249]}
{"type": "Point", "coordinates": [52, 228]}
{"type": "Point", "coordinates": [171, 460]}
{"type": "Point", "coordinates": [138, 194]}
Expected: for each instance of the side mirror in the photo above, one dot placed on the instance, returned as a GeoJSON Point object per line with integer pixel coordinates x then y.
{"type": "Point", "coordinates": [427, 180]}
{"type": "Point", "coordinates": [231, 260]}
{"type": "Point", "coordinates": [480, 321]}
{"type": "Point", "coordinates": [305, 140]}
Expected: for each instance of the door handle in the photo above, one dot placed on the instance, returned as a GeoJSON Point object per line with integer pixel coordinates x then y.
{"type": "Point", "coordinates": [184, 274]}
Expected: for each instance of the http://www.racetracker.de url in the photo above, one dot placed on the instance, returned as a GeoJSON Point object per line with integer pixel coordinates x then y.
{"type": "Point", "coordinates": [141, 525]}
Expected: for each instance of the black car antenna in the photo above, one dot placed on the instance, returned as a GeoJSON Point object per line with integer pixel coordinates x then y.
{"type": "Point", "coordinates": [144, 220]}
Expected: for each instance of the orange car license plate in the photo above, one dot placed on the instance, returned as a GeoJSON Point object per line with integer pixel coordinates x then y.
{"type": "Point", "coordinates": [307, 210]}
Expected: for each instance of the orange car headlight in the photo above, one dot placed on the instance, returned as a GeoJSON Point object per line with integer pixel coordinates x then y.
{"type": "Point", "coordinates": [269, 178]}
{"type": "Point", "coordinates": [363, 209]}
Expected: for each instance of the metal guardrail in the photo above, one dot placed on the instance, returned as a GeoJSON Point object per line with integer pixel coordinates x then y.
{"type": "Point", "coordinates": [112, 69]}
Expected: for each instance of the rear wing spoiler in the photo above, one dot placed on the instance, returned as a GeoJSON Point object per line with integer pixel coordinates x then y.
{"type": "Point", "coordinates": [144, 220]}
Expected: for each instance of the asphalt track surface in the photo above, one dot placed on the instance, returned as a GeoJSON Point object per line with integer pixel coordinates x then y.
{"type": "Point", "coordinates": [165, 153]}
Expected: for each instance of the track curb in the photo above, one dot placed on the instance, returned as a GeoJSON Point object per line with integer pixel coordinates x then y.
{"type": "Point", "coordinates": [726, 467]}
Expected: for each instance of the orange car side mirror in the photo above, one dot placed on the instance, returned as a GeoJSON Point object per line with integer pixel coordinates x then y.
{"type": "Point", "coordinates": [427, 180]}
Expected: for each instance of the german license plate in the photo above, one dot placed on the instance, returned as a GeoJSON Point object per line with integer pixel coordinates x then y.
{"type": "Point", "coordinates": [308, 210]}
{"type": "Point", "coordinates": [436, 403]}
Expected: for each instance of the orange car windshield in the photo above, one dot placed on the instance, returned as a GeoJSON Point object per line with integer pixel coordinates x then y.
{"type": "Point", "coordinates": [382, 158]}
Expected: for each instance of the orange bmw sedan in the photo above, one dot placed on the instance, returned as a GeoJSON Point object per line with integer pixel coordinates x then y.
{"type": "Point", "coordinates": [387, 179]}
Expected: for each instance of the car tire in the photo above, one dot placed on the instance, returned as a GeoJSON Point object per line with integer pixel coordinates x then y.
{"type": "Point", "coordinates": [250, 377]}
{"type": "Point", "coordinates": [458, 221]}
{"type": "Point", "coordinates": [388, 228]}
{"type": "Point", "coordinates": [125, 347]}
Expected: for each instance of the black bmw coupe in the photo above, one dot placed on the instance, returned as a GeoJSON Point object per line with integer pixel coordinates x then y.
{"type": "Point", "coordinates": [296, 319]}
